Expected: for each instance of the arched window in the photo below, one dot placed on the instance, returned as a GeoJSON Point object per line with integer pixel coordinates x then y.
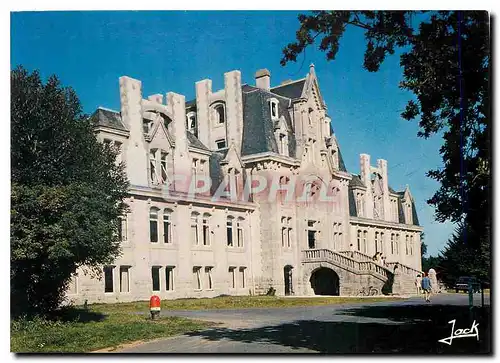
{"type": "Point", "coordinates": [365, 234]}
{"type": "Point", "coordinates": [206, 229]}
{"type": "Point", "coordinates": [167, 226]}
{"type": "Point", "coordinates": [359, 240]}
{"type": "Point", "coordinates": [229, 231]}
{"type": "Point", "coordinates": [393, 247]}
{"type": "Point", "coordinates": [220, 114]}
{"type": "Point", "coordinates": [153, 225]}
{"type": "Point", "coordinates": [273, 108]}
{"type": "Point", "coordinates": [191, 124]}
{"type": "Point", "coordinates": [194, 228]}
{"type": "Point", "coordinates": [239, 231]}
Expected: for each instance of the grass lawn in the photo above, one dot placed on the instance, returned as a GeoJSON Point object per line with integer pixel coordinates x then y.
{"type": "Point", "coordinates": [77, 330]}
{"type": "Point", "coordinates": [240, 302]}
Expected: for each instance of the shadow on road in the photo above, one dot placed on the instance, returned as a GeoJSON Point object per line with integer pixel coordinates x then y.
{"type": "Point", "coordinates": [419, 329]}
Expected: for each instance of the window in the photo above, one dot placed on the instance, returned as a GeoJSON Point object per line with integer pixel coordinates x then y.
{"type": "Point", "coordinates": [108, 279]}
{"type": "Point", "coordinates": [239, 232]}
{"type": "Point", "coordinates": [411, 245]}
{"type": "Point", "coordinates": [197, 277]}
{"type": "Point", "coordinates": [311, 234]}
{"type": "Point", "coordinates": [407, 244]}
{"type": "Point", "coordinates": [206, 229]}
{"type": "Point", "coordinates": [146, 125]}
{"type": "Point", "coordinates": [152, 167]}
{"type": "Point", "coordinates": [229, 231]}
{"type": "Point", "coordinates": [286, 232]}
{"type": "Point", "coordinates": [232, 277]}
{"type": "Point", "coordinates": [191, 125]}
{"type": "Point", "coordinates": [194, 169]}
{"type": "Point", "coordinates": [376, 242]}
{"type": "Point", "coordinates": [365, 234]}
{"type": "Point", "coordinates": [397, 243]}
{"type": "Point", "coordinates": [242, 277]}
{"type": "Point", "coordinates": [153, 225]}
{"type": "Point", "coordinates": [124, 279]}
{"type": "Point", "coordinates": [194, 228]}
{"type": "Point", "coordinates": [283, 144]}
{"type": "Point", "coordinates": [208, 278]}
{"type": "Point", "coordinates": [169, 278]}
{"type": "Point", "coordinates": [310, 116]}
{"type": "Point", "coordinates": [273, 106]}
{"type": "Point", "coordinates": [107, 142]}
{"type": "Point", "coordinates": [221, 144]}
{"type": "Point", "coordinates": [392, 244]}
{"type": "Point", "coordinates": [155, 277]}
{"type": "Point", "coordinates": [220, 114]}
{"type": "Point", "coordinates": [167, 226]}
{"type": "Point", "coordinates": [164, 177]}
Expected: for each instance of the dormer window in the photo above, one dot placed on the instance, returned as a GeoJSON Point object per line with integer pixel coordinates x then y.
{"type": "Point", "coordinates": [283, 144]}
{"type": "Point", "coordinates": [191, 125]}
{"type": "Point", "coordinates": [273, 107]}
{"type": "Point", "coordinates": [146, 125]}
{"type": "Point", "coordinates": [220, 114]}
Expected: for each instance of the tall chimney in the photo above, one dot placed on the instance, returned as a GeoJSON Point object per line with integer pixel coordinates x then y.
{"type": "Point", "coordinates": [263, 79]}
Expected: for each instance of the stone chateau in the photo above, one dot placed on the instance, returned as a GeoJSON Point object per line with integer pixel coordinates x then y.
{"type": "Point", "coordinates": [272, 206]}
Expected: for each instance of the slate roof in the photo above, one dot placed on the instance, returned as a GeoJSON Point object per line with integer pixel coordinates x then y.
{"type": "Point", "coordinates": [195, 142]}
{"type": "Point", "coordinates": [356, 181]}
{"type": "Point", "coordinates": [107, 118]}
{"type": "Point", "coordinates": [191, 103]}
{"type": "Point", "coordinates": [258, 127]}
{"type": "Point", "coordinates": [341, 162]}
{"type": "Point", "coordinates": [291, 90]}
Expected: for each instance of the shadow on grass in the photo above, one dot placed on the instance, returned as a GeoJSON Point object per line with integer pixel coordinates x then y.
{"type": "Point", "coordinates": [76, 315]}
{"type": "Point", "coordinates": [412, 329]}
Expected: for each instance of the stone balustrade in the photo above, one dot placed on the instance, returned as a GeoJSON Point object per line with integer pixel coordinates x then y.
{"type": "Point", "coordinates": [345, 260]}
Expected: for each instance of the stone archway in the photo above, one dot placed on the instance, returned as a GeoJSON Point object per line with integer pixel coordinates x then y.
{"type": "Point", "coordinates": [325, 281]}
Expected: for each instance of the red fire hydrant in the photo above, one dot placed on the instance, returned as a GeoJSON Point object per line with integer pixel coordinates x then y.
{"type": "Point", "coordinates": [154, 306]}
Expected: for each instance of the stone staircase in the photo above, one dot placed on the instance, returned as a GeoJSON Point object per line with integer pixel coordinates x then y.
{"type": "Point", "coordinates": [401, 277]}
{"type": "Point", "coordinates": [346, 262]}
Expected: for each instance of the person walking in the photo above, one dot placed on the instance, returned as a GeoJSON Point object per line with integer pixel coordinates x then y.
{"type": "Point", "coordinates": [427, 287]}
{"type": "Point", "coordinates": [418, 283]}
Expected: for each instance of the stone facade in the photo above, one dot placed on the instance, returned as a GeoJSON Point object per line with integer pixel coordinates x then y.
{"type": "Point", "coordinates": [244, 189]}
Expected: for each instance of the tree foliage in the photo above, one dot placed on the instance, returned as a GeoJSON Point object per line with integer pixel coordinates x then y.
{"type": "Point", "coordinates": [67, 193]}
{"type": "Point", "coordinates": [445, 60]}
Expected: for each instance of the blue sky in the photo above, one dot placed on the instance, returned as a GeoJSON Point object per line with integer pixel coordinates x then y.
{"type": "Point", "coordinates": [170, 51]}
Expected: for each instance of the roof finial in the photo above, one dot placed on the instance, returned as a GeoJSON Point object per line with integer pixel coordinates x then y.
{"type": "Point", "coordinates": [311, 66]}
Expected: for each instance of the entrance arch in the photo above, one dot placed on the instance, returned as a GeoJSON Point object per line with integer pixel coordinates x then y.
{"type": "Point", "coordinates": [325, 281]}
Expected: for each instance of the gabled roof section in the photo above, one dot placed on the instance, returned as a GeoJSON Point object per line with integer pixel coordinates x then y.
{"type": "Point", "coordinates": [108, 118]}
{"type": "Point", "coordinates": [195, 142]}
{"type": "Point", "coordinates": [258, 127]}
{"type": "Point", "coordinates": [356, 181]}
{"type": "Point", "coordinates": [341, 162]}
{"type": "Point", "coordinates": [292, 90]}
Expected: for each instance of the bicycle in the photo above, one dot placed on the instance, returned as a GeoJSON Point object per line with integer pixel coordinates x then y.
{"type": "Point", "coordinates": [370, 291]}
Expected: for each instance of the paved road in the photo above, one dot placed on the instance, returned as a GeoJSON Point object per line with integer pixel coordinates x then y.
{"type": "Point", "coordinates": [297, 329]}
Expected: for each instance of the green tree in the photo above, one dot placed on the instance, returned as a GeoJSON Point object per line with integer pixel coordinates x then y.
{"type": "Point", "coordinates": [67, 193]}
{"type": "Point", "coordinates": [445, 59]}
